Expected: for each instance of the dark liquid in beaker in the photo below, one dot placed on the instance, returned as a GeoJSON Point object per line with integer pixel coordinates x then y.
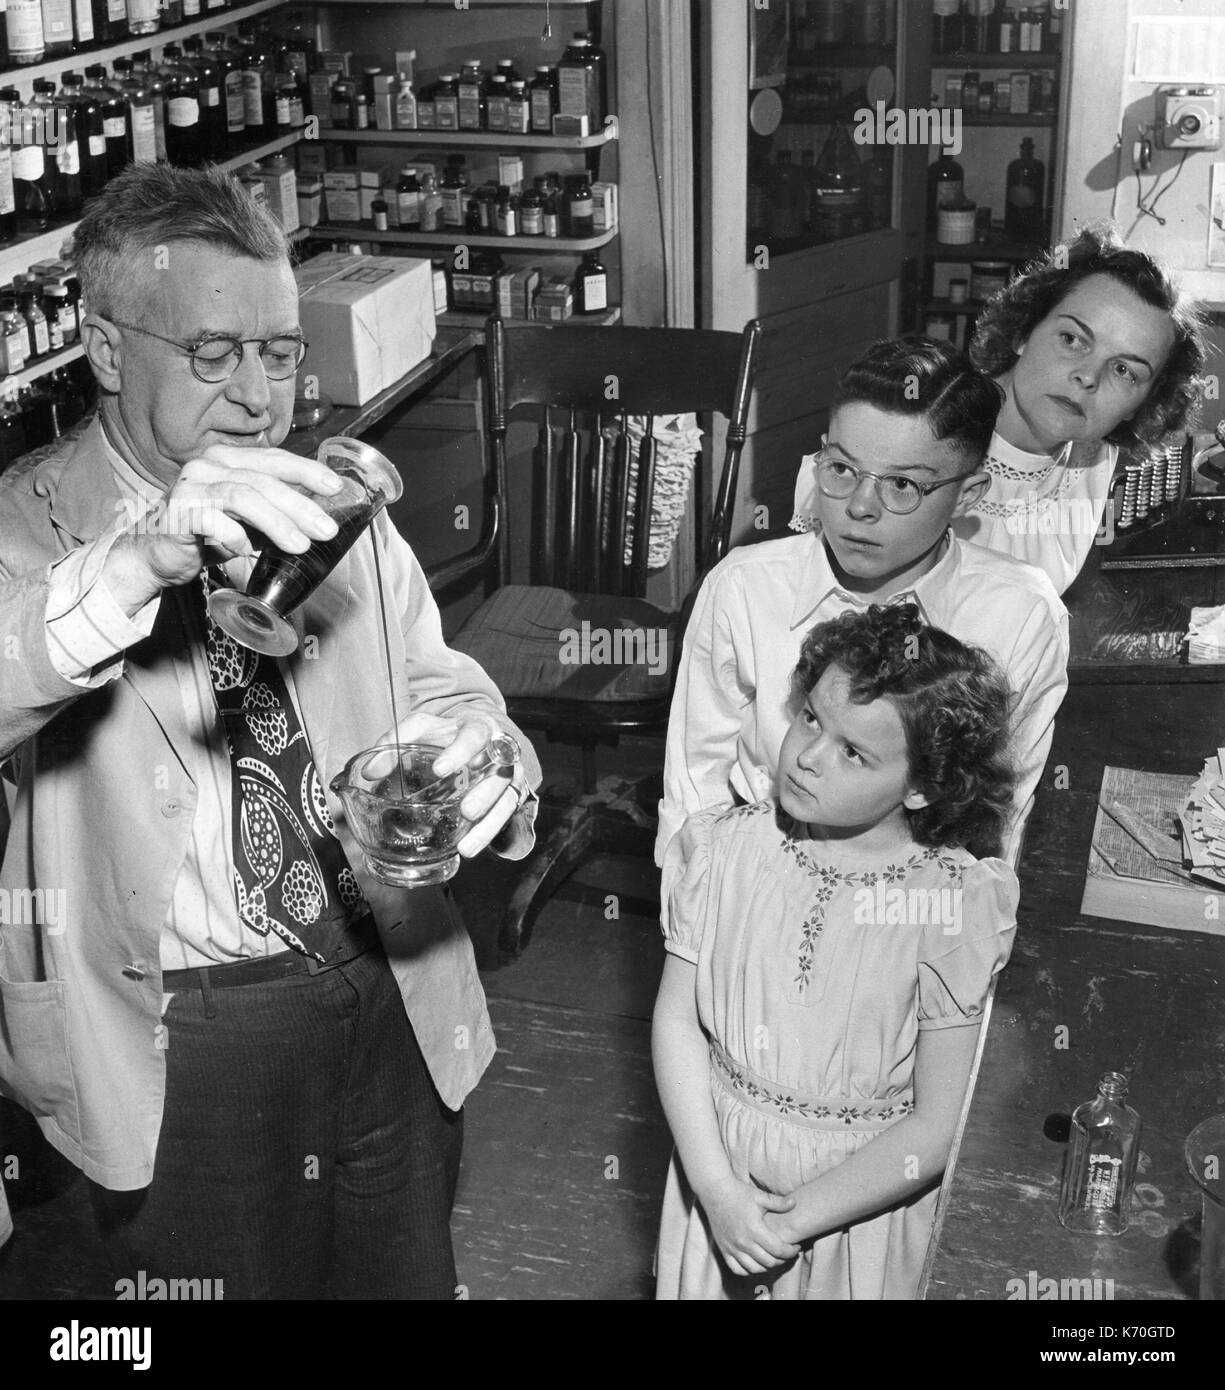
{"type": "Point", "coordinates": [283, 581]}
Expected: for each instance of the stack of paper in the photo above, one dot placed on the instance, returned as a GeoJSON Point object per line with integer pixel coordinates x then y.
{"type": "Point", "coordinates": [1206, 636]}
{"type": "Point", "coordinates": [1202, 819]}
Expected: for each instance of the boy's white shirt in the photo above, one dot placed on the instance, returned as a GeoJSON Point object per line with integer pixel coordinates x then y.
{"type": "Point", "coordinates": [730, 709]}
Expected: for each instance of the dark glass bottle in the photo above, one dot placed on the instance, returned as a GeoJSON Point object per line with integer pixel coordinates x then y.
{"type": "Point", "coordinates": [114, 117]}
{"type": "Point", "coordinates": [110, 20]}
{"type": "Point", "coordinates": [945, 185]}
{"type": "Point", "coordinates": [184, 135]}
{"type": "Point", "coordinates": [599, 62]}
{"type": "Point", "coordinates": [8, 201]}
{"type": "Point", "coordinates": [540, 94]}
{"type": "Point", "coordinates": [57, 28]}
{"type": "Point", "coordinates": [230, 72]}
{"type": "Point", "coordinates": [946, 26]}
{"type": "Point", "coordinates": [63, 155]}
{"type": "Point", "coordinates": [90, 131]}
{"type": "Point", "coordinates": [591, 286]}
{"type": "Point", "coordinates": [209, 94]}
{"type": "Point", "coordinates": [580, 206]}
{"type": "Point", "coordinates": [142, 114]}
{"type": "Point", "coordinates": [13, 441]}
{"type": "Point", "coordinates": [1024, 213]}
{"type": "Point", "coordinates": [31, 185]}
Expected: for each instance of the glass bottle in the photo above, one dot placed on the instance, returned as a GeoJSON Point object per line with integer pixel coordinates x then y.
{"type": "Point", "coordinates": [446, 103]}
{"type": "Point", "coordinates": [599, 62]}
{"type": "Point", "coordinates": [431, 204]}
{"type": "Point", "coordinates": [531, 213]}
{"type": "Point", "coordinates": [406, 104]}
{"type": "Point", "coordinates": [184, 134]}
{"type": "Point", "coordinates": [31, 187]}
{"type": "Point", "coordinates": [947, 32]}
{"type": "Point", "coordinates": [552, 208]}
{"type": "Point", "coordinates": [378, 213]}
{"type": "Point", "coordinates": [497, 106]}
{"type": "Point", "coordinates": [13, 442]}
{"type": "Point", "coordinates": [427, 108]}
{"type": "Point", "coordinates": [580, 206]}
{"type": "Point", "coordinates": [29, 304]}
{"type": "Point", "coordinates": [14, 335]}
{"type": "Point", "coordinates": [506, 66]}
{"type": "Point", "coordinates": [945, 186]}
{"type": "Point", "coordinates": [144, 16]}
{"type": "Point", "coordinates": [981, 24]}
{"type": "Point", "coordinates": [471, 96]}
{"type": "Point", "coordinates": [8, 196]}
{"type": "Point", "coordinates": [578, 77]}
{"type": "Point", "coordinates": [454, 190]}
{"type": "Point", "coordinates": [1100, 1167]}
{"type": "Point", "coordinates": [258, 117]}
{"type": "Point", "coordinates": [209, 93]}
{"type": "Point", "coordinates": [59, 123]}
{"type": "Point", "coordinates": [591, 286]}
{"type": "Point", "coordinates": [541, 98]}
{"type": "Point", "coordinates": [1024, 214]}
{"type": "Point", "coordinates": [408, 201]}
{"type": "Point", "coordinates": [61, 321]}
{"type": "Point", "coordinates": [114, 117]}
{"type": "Point", "coordinates": [91, 133]}
{"type": "Point", "coordinates": [838, 185]}
{"type": "Point", "coordinates": [57, 28]}
{"type": "Point", "coordinates": [172, 11]}
{"type": "Point", "coordinates": [155, 84]}
{"type": "Point", "coordinates": [519, 120]}
{"type": "Point", "coordinates": [142, 118]}
{"type": "Point", "coordinates": [110, 20]}
{"type": "Point", "coordinates": [23, 25]}
{"type": "Point", "coordinates": [230, 75]}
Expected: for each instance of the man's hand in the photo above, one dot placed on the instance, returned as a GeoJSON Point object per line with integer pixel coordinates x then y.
{"type": "Point", "coordinates": [216, 501]}
{"type": "Point", "coordinates": [737, 1214]}
{"type": "Point", "coordinates": [494, 799]}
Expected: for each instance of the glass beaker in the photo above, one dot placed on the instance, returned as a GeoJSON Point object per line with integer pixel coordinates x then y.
{"type": "Point", "coordinates": [406, 820]}
{"type": "Point", "coordinates": [280, 582]}
{"type": "Point", "coordinates": [1205, 1154]}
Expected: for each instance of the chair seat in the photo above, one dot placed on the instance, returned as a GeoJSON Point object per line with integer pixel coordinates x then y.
{"type": "Point", "coordinates": [544, 643]}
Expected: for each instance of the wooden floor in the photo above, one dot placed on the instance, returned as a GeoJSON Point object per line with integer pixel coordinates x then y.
{"type": "Point", "coordinates": [565, 1147]}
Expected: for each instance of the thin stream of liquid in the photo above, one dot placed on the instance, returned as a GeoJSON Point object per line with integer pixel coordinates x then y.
{"type": "Point", "coordinates": [391, 680]}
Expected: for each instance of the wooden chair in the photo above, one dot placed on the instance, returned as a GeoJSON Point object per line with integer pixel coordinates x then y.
{"type": "Point", "coordinates": [582, 383]}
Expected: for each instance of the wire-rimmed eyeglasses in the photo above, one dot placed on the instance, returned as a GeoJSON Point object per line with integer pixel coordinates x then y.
{"type": "Point", "coordinates": [898, 492]}
{"type": "Point", "coordinates": [216, 358]}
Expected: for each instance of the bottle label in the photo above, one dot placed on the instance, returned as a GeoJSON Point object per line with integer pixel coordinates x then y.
{"type": "Point", "coordinates": [55, 335]}
{"type": "Point", "coordinates": [38, 334]}
{"type": "Point", "coordinates": [184, 111]}
{"type": "Point", "coordinates": [1021, 195]}
{"type": "Point", "coordinates": [191, 8]}
{"type": "Point", "coordinates": [144, 135]}
{"type": "Point", "coordinates": [453, 207]}
{"type": "Point", "coordinates": [409, 205]}
{"type": "Point", "coordinates": [143, 12]}
{"type": "Point", "coordinates": [68, 159]}
{"type": "Point", "coordinates": [446, 113]}
{"type": "Point", "coordinates": [595, 292]}
{"type": "Point", "coordinates": [210, 96]}
{"type": "Point", "coordinates": [552, 224]}
{"type": "Point", "coordinates": [116, 10]}
{"type": "Point", "coordinates": [1102, 1185]}
{"type": "Point", "coordinates": [282, 111]}
{"type": "Point", "coordinates": [253, 98]}
{"type": "Point", "coordinates": [573, 91]}
{"type": "Point", "coordinates": [8, 202]}
{"type": "Point", "coordinates": [498, 113]}
{"type": "Point", "coordinates": [542, 112]}
{"type": "Point", "coordinates": [97, 146]}
{"type": "Point", "coordinates": [57, 21]}
{"type": "Point", "coordinates": [582, 209]}
{"type": "Point", "coordinates": [84, 17]}
{"type": "Point", "coordinates": [380, 221]}
{"type": "Point", "coordinates": [24, 21]}
{"type": "Point", "coordinates": [532, 221]}
{"type": "Point", "coordinates": [235, 103]}
{"type": "Point", "coordinates": [28, 163]}
{"type": "Point", "coordinates": [16, 348]}
{"type": "Point", "coordinates": [948, 192]}
{"type": "Point", "coordinates": [518, 121]}
{"type": "Point", "coordinates": [114, 127]}
{"type": "Point", "coordinates": [406, 113]}
{"type": "Point", "coordinates": [470, 112]}
{"type": "Point", "coordinates": [426, 115]}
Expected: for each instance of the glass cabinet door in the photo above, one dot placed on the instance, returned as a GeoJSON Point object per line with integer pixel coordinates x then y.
{"type": "Point", "coordinates": [822, 75]}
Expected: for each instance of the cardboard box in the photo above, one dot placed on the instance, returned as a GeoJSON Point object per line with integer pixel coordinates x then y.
{"type": "Point", "coordinates": [321, 98]}
{"type": "Point", "coordinates": [368, 181]}
{"type": "Point", "coordinates": [604, 206]}
{"type": "Point", "coordinates": [510, 171]}
{"type": "Point", "coordinates": [1018, 94]}
{"type": "Point", "coordinates": [515, 290]}
{"type": "Point", "coordinates": [368, 319]}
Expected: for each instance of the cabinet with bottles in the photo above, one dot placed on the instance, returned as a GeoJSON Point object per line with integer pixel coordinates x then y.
{"type": "Point", "coordinates": [88, 89]}
{"type": "Point", "coordinates": [996, 79]}
{"type": "Point", "coordinates": [501, 162]}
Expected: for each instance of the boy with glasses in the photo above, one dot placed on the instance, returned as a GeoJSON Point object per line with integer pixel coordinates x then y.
{"type": "Point", "coordinates": [908, 431]}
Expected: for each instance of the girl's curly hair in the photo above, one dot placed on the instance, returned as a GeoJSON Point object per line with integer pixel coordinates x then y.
{"type": "Point", "coordinates": [955, 705]}
{"type": "Point", "coordinates": [1015, 311]}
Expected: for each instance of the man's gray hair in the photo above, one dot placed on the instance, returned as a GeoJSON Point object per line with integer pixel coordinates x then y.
{"type": "Point", "coordinates": [148, 207]}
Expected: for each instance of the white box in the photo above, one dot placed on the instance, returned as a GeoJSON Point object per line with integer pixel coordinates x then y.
{"type": "Point", "coordinates": [368, 319]}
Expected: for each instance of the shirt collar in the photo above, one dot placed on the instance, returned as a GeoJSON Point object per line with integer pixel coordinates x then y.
{"type": "Point", "coordinates": [129, 481]}
{"type": "Point", "coordinates": [817, 583]}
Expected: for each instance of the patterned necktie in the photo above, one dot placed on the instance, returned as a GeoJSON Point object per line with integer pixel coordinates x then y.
{"type": "Point", "coordinates": [290, 873]}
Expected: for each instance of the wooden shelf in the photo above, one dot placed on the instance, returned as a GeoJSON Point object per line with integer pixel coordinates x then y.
{"type": "Point", "coordinates": [490, 139]}
{"type": "Point", "coordinates": [975, 62]}
{"type": "Point", "coordinates": [22, 77]}
{"type": "Point", "coordinates": [980, 251]}
{"type": "Point", "coordinates": [43, 366]}
{"type": "Point", "coordinates": [472, 318]}
{"type": "Point", "coordinates": [458, 237]}
{"type": "Point", "coordinates": [43, 246]}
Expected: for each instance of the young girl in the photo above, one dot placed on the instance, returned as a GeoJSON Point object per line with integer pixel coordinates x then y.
{"type": "Point", "coordinates": [829, 959]}
{"type": "Point", "coordinates": [1094, 349]}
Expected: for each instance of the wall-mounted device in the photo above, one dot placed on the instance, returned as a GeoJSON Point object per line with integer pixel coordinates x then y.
{"type": "Point", "coordinates": [1189, 118]}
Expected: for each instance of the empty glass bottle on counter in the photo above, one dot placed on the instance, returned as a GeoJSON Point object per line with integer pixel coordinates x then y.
{"type": "Point", "coordinates": [1095, 1197]}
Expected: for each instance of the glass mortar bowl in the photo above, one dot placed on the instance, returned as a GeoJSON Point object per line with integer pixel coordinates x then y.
{"type": "Point", "coordinates": [406, 820]}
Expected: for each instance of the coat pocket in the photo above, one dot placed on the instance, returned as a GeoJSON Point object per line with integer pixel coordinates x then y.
{"type": "Point", "coordinates": [34, 1066]}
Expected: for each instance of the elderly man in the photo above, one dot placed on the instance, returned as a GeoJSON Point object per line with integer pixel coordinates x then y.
{"type": "Point", "coordinates": [255, 1052]}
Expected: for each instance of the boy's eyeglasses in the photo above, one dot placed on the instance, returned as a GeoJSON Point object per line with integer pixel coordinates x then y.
{"type": "Point", "coordinates": [215, 359]}
{"type": "Point", "coordinates": [898, 492]}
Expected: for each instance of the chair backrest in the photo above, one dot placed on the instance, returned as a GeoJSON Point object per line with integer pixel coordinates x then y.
{"type": "Point", "coordinates": [584, 383]}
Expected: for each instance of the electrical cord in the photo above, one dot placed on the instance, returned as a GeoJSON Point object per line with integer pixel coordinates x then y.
{"type": "Point", "coordinates": [1149, 209]}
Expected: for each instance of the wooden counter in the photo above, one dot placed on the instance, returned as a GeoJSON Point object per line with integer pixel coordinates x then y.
{"type": "Point", "coordinates": [1083, 995]}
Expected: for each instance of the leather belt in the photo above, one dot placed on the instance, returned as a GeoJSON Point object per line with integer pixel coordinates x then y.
{"type": "Point", "coordinates": [357, 940]}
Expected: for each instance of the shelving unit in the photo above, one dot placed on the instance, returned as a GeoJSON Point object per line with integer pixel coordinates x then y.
{"type": "Point", "coordinates": [998, 248]}
{"type": "Point", "coordinates": [18, 255]}
{"type": "Point", "coordinates": [511, 33]}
